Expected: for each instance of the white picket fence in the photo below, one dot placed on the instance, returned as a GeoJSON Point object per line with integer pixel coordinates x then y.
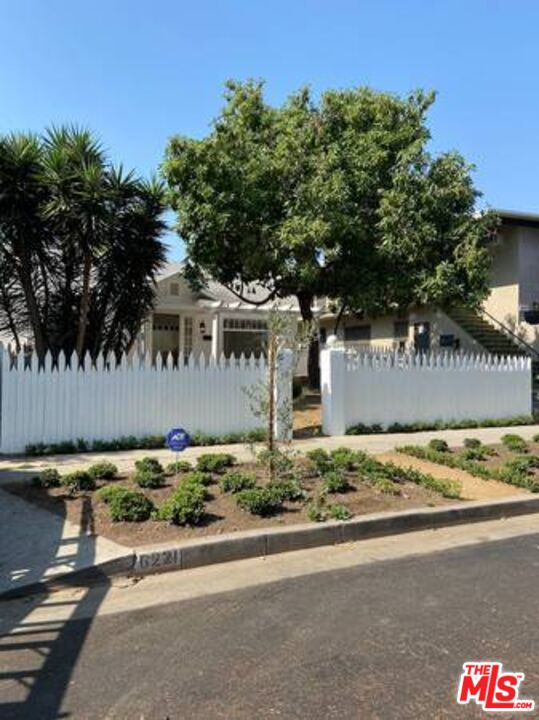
{"type": "Point", "coordinates": [386, 388]}
{"type": "Point", "coordinates": [136, 397]}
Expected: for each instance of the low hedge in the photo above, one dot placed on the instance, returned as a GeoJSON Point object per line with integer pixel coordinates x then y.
{"type": "Point", "coordinates": [361, 429]}
{"type": "Point", "coordinates": [146, 442]}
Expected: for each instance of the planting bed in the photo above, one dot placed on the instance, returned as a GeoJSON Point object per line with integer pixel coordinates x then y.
{"type": "Point", "coordinates": [514, 463]}
{"type": "Point", "coordinates": [318, 483]}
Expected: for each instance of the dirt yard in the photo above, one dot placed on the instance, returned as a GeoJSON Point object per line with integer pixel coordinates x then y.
{"type": "Point", "coordinates": [473, 488]}
{"type": "Point", "coordinates": [308, 415]}
{"type": "Point", "coordinates": [222, 513]}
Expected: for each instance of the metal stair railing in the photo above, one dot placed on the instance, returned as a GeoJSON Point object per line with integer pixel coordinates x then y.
{"type": "Point", "coordinates": [507, 331]}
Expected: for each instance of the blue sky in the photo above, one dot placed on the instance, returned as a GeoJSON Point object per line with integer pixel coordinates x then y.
{"type": "Point", "coordinates": [139, 71]}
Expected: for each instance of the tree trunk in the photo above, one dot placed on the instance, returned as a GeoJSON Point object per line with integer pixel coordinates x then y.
{"type": "Point", "coordinates": [305, 301]}
{"type": "Point", "coordinates": [32, 307]}
{"type": "Point", "coordinates": [84, 305]}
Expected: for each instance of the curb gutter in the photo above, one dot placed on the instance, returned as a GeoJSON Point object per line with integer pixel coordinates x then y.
{"type": "Point", "coordinates": [259, 543]}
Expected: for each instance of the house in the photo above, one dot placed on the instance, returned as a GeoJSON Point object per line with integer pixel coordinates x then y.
{"type": "Point", "coordinates": [211, 321]}
{"type": "Point", "coordinates": [507, 324]}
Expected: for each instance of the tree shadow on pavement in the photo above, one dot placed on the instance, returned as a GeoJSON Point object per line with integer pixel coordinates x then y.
{"type": "Point", "coordinates": [41, 637]}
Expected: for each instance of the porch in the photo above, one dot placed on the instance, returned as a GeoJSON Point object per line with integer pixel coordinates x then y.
{"type": "Point", "coordinates": [211, 334]}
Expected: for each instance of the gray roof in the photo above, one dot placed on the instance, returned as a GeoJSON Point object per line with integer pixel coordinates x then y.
{"type": "Point", "coordinates": [216, 291]}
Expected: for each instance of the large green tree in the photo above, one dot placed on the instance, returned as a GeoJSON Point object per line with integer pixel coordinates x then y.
{"type": "Point", "coordinates": [334, 197]}
{"type": "Point", "coordinates": [79, 244]}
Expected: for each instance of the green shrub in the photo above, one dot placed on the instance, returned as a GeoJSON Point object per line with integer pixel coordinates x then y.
{"type": "Point", "coordinates": [515, 443]}
{"type": "Point", "coordinates": [474, 453]}
{"type": "Point", "coordinates": [340, 512]}
{"type": "Point", "coordinates": [523, 464]}
{"type": "Point", "coordinates": [107, 492]}
{"type": "Point", "coordinates": [235, 481]}
{"type": "Point", "coordinates": [185, 506]}
{"type": "Point", "coordinates": [387, 486]}
{"type": "Point", "coordinates": [260, 501]}
{"type": "Point", "coordinates": [472, 443]}
{"type": "Point", "coordinates": [282, 464]}
{"type": "Point", "coordinates": [181, 466]}
{"type": "Point", "coordinates": [319, 456]}
{"type": "Point", "coordinates": [149, 464]}
{"type": "Point", "coordinates": [215, 462]}
{"type": "Point", "coordinates": [335, 482]}
{"type": "Point", "coordinates": [362, 429]}
{"type": "Point", "coordinates": [78, 481]}
{"type": "Point", "coordinates": [345, 459]}
{"type": "Point", "coordinates": [148, 442]}
{"type": "Point", "coordinates": [288, 490]}
{"type": "Point", "coordinates": [103, 471]}
{"type": "Point", "coordinates": [47, 479]}
{"type": "Point", "coordinates": [147, 478]}
{"type": "Point", "coordinates": [535, 438]}
{"type": "Point", "coordinates": [439, 445]}
{"type": "Point", "coordinates": [199, 477]}
{"type": "Point", "coordinates": [318, 510]}
{"type": "Point", "coordinates": [126, 505]}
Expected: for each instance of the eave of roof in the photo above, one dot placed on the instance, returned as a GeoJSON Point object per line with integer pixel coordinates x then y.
{"type": "Point", "coordinates": [516, 217]}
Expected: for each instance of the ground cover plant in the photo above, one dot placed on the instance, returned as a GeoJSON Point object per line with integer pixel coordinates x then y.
{"type": "Point", "coordinates": [512, 462]}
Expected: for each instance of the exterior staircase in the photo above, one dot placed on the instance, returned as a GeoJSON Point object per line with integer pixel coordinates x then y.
{"type": "Point", "coordinates": [492, 339]}
{"type": "Point", "coordinates": [495, 341]}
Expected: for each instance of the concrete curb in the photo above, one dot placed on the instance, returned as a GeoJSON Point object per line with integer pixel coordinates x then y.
{"type": "Point", "coordinates": [260, 543]}
{"type": "Point", "coordinates": [99, 572]}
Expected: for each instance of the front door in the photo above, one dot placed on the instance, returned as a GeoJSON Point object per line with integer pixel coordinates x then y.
{"type": "Point", "coordinates": [422, 336]}
{"type": "Point", "coordinates": [166, 335]}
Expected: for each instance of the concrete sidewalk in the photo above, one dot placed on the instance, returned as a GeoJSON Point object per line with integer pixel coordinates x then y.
{"type": "Point", "coordinates": [20, 468]}
{"type": "Point", "coordinates": [36, 545]}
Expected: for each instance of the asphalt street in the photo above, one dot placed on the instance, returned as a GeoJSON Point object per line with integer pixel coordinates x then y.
{"type": "Point", "coordinates": [382, 639]}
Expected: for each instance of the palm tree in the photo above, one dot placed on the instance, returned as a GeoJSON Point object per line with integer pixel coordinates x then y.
{"type": "Point", "coordinates": [82, 240]}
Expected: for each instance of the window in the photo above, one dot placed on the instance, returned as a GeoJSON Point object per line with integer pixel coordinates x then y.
{"type": "Point", "coordinates": [447, 341]}
{"type": "Point", "coordinates": [174, 288]}
{"type": "Point", "coordinates": [247, 325]}
{"type": "Point", "coordinates": [400, 329]}
{"type": "Point", "coordinates": [247, 336]}
{"type": "Point", "coordinates": [169, 323]}
{"type": "Point", "coordinates": [357, 332]}
{"type": "Point", "coordinates": [187, 335]}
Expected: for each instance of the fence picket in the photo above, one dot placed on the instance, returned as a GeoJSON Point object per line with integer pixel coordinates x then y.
{"type": "Point", "coordinates": [126, 395]}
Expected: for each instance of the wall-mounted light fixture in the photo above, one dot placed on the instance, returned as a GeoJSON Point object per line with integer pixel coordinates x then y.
{"type": "Point", "coordinates": [202, 327]}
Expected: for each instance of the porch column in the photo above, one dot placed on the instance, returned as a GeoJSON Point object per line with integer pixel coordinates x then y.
{"type": "Point", "coordinates": [215, 344]}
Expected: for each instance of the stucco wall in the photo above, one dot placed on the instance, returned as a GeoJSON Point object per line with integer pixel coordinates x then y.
{"type": "Point", "coordinates": [503, 301]}
{"type": "Point", "coordinates": [382, 330]}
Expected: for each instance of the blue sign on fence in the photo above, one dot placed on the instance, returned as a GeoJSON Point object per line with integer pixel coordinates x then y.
{"type": "Point", "coordinates": [177, 439]}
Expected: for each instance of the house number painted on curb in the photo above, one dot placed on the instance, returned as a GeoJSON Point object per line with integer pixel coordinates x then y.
{"type": "Point", "coordinates": [165, 558]}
